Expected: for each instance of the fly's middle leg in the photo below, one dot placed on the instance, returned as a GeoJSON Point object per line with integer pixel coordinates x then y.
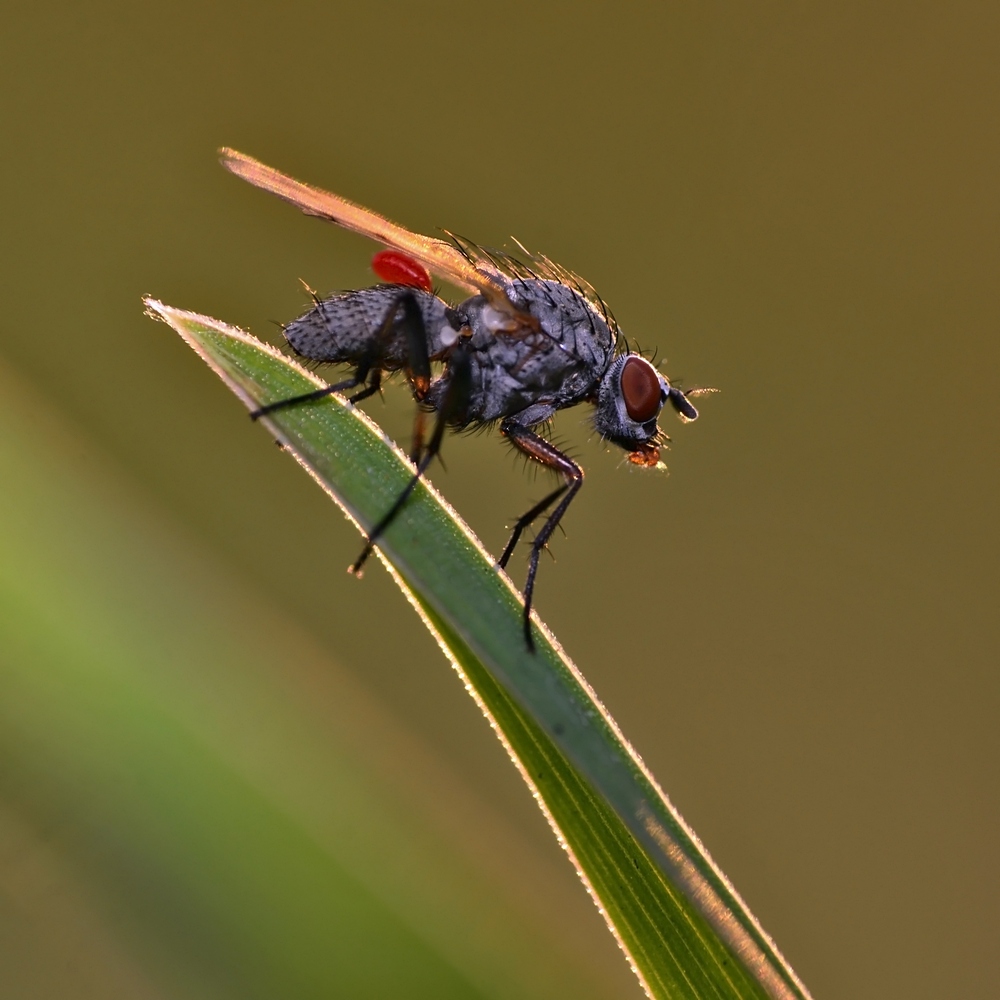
{"type": "Point", "coordinates": [417, 443]}
{"type": "Point", "coordinates": [418, 366]}
{"type": "Point", "coordinates": [453, 405]}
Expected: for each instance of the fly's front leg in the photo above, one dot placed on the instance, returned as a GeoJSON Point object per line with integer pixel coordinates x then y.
{"type": "Point", "coordinates": [527, 519]}
{"type": "Point", "coordinates": [452, 408]}
{"type": "Point", "coordinates": [548, 455]}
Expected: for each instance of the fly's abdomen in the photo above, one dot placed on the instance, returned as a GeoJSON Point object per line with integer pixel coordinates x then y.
{"type": "Point", "coordinates": [352, 325]}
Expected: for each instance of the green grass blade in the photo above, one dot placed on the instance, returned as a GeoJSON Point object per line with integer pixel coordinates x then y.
{"type": "Point", "coordinates": [197, 801]}
{"type": "Point", "coordinates": [680, 923]}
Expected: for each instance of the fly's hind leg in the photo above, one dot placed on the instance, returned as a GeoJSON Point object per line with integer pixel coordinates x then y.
{"type": "Point", "coordinates": [451, 408]}
{"type": "Point", "coordinates": [359, 376]}
{"type": "Point", "coordinates": [546, 454]}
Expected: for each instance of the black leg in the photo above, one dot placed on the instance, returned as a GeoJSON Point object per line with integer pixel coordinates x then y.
{"type": "Point", "coordinates": [308, 397]}
{"type": "Point", "coordinates": [418, 361]}
{"type": "Point", "coordinates": [547, 454]}
{"type": "Point", "coordinates": [418, 366]}
{"type": "Point", "coordinates": [417, 444]}
{"type": "Point", "coordinates": [374, 385]}
{"type": "Point", "coordinates": [451, 409]}
{"type": "Point", "coordinates": [525, 520]}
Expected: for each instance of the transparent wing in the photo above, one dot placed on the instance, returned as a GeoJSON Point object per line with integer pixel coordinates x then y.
{"type": "Point", "coordinates": [438, 256]}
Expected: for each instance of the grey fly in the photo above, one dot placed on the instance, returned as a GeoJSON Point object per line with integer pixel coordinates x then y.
{"type": "Point", "coordinates": [531, 339]}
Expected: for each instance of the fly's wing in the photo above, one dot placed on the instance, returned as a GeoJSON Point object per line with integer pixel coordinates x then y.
{"type": "Point", "coordinates": [440, 257]}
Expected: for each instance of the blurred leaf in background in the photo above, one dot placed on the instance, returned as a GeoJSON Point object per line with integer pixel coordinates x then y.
{"type": "Point", "coordinates": [194, 800]}
{"type": "Point", "coordinates": [798, 205]}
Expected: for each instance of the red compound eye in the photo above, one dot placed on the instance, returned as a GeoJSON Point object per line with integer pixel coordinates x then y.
{"type": "Point", "coordinates": [398, 269]}
{"type": "Point", "coordinates": [640, 389]}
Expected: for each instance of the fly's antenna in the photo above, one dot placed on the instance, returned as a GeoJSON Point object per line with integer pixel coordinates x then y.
{"type": "Point", "coordinates": [679, 399]}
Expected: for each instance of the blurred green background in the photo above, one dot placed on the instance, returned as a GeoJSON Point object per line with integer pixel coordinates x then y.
{"type": "Point", "coordinates": [229, 769]}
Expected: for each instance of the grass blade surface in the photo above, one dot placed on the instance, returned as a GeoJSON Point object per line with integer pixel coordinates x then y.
{"type": "Point", "coordinates": [683, 928]}
{"type": "Point", "coordinates": [197, 801]}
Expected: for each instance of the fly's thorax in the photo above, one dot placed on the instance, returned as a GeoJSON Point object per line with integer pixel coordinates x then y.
{"type": "Point", "coordinates": [569, 318]}
{"type": "Point", "coordinates": [561, 361]}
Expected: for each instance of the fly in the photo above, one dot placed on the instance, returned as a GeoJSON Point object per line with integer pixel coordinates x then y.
{"type": "Point", "coordinates": [531, 339]}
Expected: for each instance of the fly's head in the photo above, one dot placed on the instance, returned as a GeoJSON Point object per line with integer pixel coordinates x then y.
{"type": "Point", "coordinates": [629, 400]}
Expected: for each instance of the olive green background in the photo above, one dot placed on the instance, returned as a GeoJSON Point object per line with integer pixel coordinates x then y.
{"type": "Point", "coordinates": [798, 626]}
